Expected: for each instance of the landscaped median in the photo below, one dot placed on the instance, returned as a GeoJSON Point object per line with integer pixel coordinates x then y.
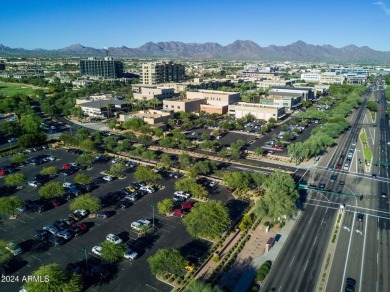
{"type": "Point", "coordinates": [327, 263]}
{"type": "Point", "coordinates": [366, 150]}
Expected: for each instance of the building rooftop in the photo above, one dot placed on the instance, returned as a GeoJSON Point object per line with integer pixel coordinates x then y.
{"type": "Point", "coordinates": [103, 103]}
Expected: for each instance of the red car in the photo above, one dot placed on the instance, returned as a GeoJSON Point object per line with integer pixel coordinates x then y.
{"type": "Point", "coordinates": [55, 203]}
{"type": "Point", "coordinates": [3, 172]}
{"type": "Point", "coordinates": [66, 166]}
{"type": "Point", "coordinates": [187, 205]}
{"type": "Point", "coordinates": [338, 166]}
{"type": "Point", "coordinates": [180, 212]}
{"type": "Point", "coordinates": [278, 147]}
{"type": "Point", "coordinates": [82, 226]}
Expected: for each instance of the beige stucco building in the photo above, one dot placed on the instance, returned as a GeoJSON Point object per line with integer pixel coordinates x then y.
{"type": "Point", "coordinates": [259, 111]}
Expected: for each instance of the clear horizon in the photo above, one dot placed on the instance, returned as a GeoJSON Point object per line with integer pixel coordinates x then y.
{"type": "Point", "coordinates": [54, 25]}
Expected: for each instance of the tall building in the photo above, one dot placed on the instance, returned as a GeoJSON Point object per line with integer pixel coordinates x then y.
{"type": "Point", "coordinates": [106, 68]}
{"type": "Point", "coordinates": [154, 73]}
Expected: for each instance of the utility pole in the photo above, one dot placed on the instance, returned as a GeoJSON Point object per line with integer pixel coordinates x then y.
{"type": "Point", "coordinates": [153, 213]}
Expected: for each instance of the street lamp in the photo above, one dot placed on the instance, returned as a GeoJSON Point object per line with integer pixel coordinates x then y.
{"type": "Point", "coordinates": [86, 256]}
{"type": "Point", "coordinates": [153, 213]}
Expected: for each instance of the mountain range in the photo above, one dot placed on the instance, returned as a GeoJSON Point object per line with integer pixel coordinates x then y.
{"type": "Point", "coordinates": [238, 50]}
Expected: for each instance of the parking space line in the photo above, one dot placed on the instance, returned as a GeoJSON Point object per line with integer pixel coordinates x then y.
{"type": "Point", "coordinates": [154, 288]}
{"type": "Point", "coordinates": [3, 229]}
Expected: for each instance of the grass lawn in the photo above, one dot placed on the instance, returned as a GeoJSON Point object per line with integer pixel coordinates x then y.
{"type": "Point", "coordinates": [10, 89]}
{"type": "Point", "coordinates": [366, 148]}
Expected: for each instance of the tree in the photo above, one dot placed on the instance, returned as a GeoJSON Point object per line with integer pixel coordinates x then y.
{"type": "Point", "coordinates": [295, 150]}
{"type": "Point", "coordinates": [202, 167]}
{"type": "Point", "coordinates": [144, 173]}
{"type": "Point", "coordinates": [82, 134]}
{"type": "Point", "coordinates": [30, 123]}
{"type": "Point", "coordinates": [51, 190]}
{"type": "Point", "coordinates": [86, 202]}
{"type": "Point", "coordinates": [166, 160]}
{"type": "Point", "coordinates": [237, 179]}
{"type": "Point", "coordinates": [185, 160]}
{"type": "Point", "coordinates": [284, 127]}
{"type": "Point", "coordinates": [19, 158]}
{"type": "Point", "coordinates": [5, 256]}
{"type": "Point", "coordinates": [88, 145]}
{"type": "Point", "coordinates": [112, 252]}
{"type": "Point", "coordinates": [8, 205]}
{"type": "Point", "coordinates": [158, 132]}
{"type": "Point", "coordinates": [117, 167]}
{"type": "Point", "coordinates": [29, 140]}
{"type": "Point", "coordinates": [110, 142]}
{"type": "Point", "coordinates": [15, 179]}
{"type": "Point", "coordinates": [50, 170]}
{"type": "Point", "coordinates": [188, 184]}
{"type": "Point", "coordinates": [259, 151]}
{"type": "Point", "coordinates": [279, 200]}
{"type": "Point", "coordinates": [167, 261]}
{"type": "Point", "coordinates": [199, 286]}
{"type": "Point", "coordinates": [85, 160]}
{"type": "Point", "coordinates": [82, 179]}
{"type": "Point", "coordinates": [165, 206]}
{"type": "Point", "coordinates": [372, 105]}
{"type": "Point", "coordinates": [97, 137]}
{"type": "Point", "coordinates": [207, 220]}
{"type": "Point", "coordinates": [55, 279]}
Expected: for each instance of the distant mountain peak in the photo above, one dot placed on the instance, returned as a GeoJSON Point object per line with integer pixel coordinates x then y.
{"type": "Point", "coordinates": [239, 49]}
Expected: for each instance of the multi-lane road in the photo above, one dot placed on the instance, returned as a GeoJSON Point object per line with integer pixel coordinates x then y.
{"type": "Point", "coordinates": [362, 249]}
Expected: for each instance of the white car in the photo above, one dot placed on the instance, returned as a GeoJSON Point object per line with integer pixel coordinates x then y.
{"type": "Point", "coordinates": [213, 184]}
{"type": "Point", "coordinates": [113, 238]}
{"type": "Point", "coordinates": [51, 229]}
{"type": "Point", "coordinates": [51, 158]}
{"type": "Point", "coordinates": [130, 254]}
{"type": "Point", "coordinates": [140, 224]}
{"type": "Point", "coordinates": [97, 250]}
{"type": "Point", "coordinates": [13, 248]}
{"type": "Point", "coordinates": [148, 189]}
{"type": "Point", "coordinates": [108, 178]}
{"type": "Point", "coordinates": [82, 212]}
{"type": "Point", "coordinates": [68, 185]}
{"type": "Point", "coordinates": [182, 194]}
{"type": "Point", "coordinates": [64, 234]}
{"type": "Point", "coordinates": [34, 183]}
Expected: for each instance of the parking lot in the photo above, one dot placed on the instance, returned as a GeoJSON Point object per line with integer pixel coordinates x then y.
{"type": "Point", "coordinates": [169, 232]}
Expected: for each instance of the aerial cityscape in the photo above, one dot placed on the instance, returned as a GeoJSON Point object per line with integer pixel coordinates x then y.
{"type": "Point", "coordinates": [196, 146]}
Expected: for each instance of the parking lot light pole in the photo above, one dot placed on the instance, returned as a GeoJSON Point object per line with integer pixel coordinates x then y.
{"type": "Point", "coordinates": [86, 256]}
{"type": "Point", "coordinates": [153, 213]}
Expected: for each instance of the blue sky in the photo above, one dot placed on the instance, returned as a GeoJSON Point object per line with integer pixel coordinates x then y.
{"type": "Point", "coordinates": [54, 24]}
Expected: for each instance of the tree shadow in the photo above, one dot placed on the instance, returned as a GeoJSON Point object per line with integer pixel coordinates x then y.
{"type": "Point", "coordinates": [195, 250]}
{"type": "Point", "coordinates": [144, 243]}
{"type": "Point", "coordinates": [230, 278]}
{"type": "Point", "coordinates": [236, 208]}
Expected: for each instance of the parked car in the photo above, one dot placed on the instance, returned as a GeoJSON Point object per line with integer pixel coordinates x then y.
{"type": "Point", "coordinates": [59, 224]}
{"type": "Point", "coordinates": [42, 234]}
{"type": "Point", "coordinates": [338, 166]}
{"type": "Point", "coordinates": [51, 229]}
{"type": "Point", "coordinates": [81, 212]}
{"type": "Point", "coordinates": [187, 205]}
{"type": "Point", "coordinates": [182, 194]}
{"type": "Point", "coordinates": [56, 240]}
{"type": "Point", "coordinates": [213, 183]}
{"type": "Point", "coordinates": [179, 199]}
{"type": "Point", "coordinates": [180, 212]}
{"type": "Point", "coordinates": [360, 216]}
{"type": "Point", "coordinates": [122, 204]}
{"type": "Point", "coordinates": [114, 238]}
{"type": "Point", "coordinates": [97, 250]}
{"type": "Point", "coordinates": [174, 174]}
{"type": "Point", "coordinates": [148, 189]}
{"type": "Point", "coordinates": [108, 178]}
{"type": "Point", "coordinates": [140, 224]}
{"type": "Point", "coordinates": [11, 140]}
{"type": "Point", "coordinates": [34, 184]}
{"type": "Point", "coordinates": [13, 248]}
{"type": "Point", "coordinates": [64, 234]}
{"type": "Point", "coordinates": [130, 254]}
{"type": "Point", "coordinates": [103, 214]}
{"type": "Point", "coordinates": [133, 197]}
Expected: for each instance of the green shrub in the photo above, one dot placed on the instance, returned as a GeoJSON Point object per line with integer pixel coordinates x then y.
{"type": "Point", "coordinates": [215, 258]}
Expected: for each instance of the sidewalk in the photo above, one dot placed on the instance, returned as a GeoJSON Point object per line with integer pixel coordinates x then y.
{"type": "Point", "coordinates": [244, 283]}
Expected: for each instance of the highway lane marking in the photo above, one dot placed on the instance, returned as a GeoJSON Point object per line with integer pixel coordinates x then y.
{"type": "Point", "coordinates": [292, 261]}
{"type": "Point", "coordinates": [306, 265]}
{"type": "Point", "coordinates": [364, 252]}
{"type": "Point", "coordinates": [349, 248]}
{"type": "Point", "coordinates": [302, 238]}
{"type": "Point", "coordinates": [315, 239]}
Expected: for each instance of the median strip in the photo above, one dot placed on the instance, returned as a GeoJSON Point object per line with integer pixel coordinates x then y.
{"type": "Point", "coordinates": [366, 150]}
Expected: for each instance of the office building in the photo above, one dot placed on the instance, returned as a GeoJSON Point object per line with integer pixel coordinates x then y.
{"type": "Point", "coordinates": [104, 68]}
{"type": "Point", "coordinates": [154, 73]}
